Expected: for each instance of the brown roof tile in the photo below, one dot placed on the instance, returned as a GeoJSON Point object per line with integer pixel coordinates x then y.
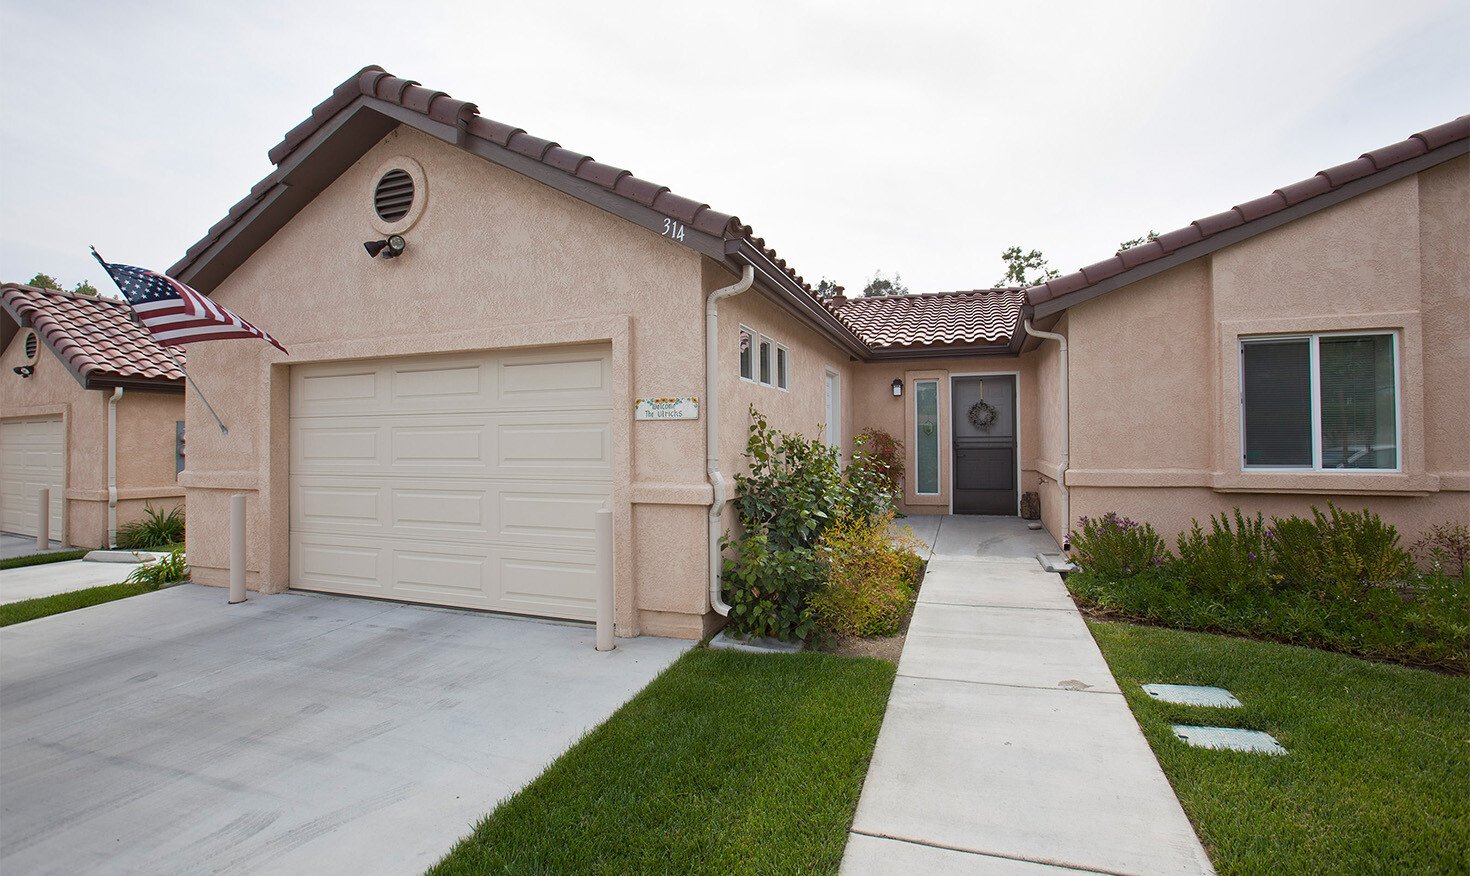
{"type": "Point", "coordinates": [1287, 196]}
{"type": "Point", "coordinates": [983, 316]}
{"type": "Point", "coordinates": [96, 337]}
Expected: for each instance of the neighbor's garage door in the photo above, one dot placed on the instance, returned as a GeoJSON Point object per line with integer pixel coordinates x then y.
{"type": "Point", "coordinates": [464, 480]}
{"type": "Point", "coordinates": [30, 458]}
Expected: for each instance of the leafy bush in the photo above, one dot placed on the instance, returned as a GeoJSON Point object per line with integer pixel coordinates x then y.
{"type": "Point", "coordinates": [1116, 547]}
{"type": "Point", "coordinates": [1229, 559]}
{"type": "Point", "coordinates": [1446, 546]}
{"type": "Point", "coordinates": [1344, 553]}
{"type": "Point", "coordinates": [871, 576]}
{"type": "Point", "coordinates": [793, 491]}
{"type": "Point", "coordinates": [168, 570]}
{"type": "Point", "coordinates": [156, 529]}
{"type": "Point", "coordinates": [883, 454]}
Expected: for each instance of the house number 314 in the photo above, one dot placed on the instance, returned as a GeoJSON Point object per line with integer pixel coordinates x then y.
{"type": "Point", "coordinates": [673, 230]}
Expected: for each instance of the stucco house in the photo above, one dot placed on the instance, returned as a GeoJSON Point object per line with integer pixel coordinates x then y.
{"type": "Point", "coordinates": [478, 319]}
{"type": "Point", "coordinates": [92, 408]}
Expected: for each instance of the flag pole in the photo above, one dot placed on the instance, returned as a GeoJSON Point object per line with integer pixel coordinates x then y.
{"type": "Point", "coordinates": [166, 351]}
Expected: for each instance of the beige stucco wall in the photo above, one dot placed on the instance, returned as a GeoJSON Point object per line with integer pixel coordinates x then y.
{"type": "Point", "coordinates": [495, 261]}
{"type": "Point", "coordinates": [145, 442]}
{"type": "Point", "coordinates": [1155, 365]}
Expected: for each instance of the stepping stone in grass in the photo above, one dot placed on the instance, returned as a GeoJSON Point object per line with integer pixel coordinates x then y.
{"type": "Point", "coordinates": [1229, 738]}
{"type": "Point", "coordinates": [1193, 695]}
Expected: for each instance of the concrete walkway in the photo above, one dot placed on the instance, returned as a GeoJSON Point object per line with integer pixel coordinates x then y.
{"type": "Point", "coordinates": [1007, 746]}
{"type": "Point", "coordinates": [47, 579]}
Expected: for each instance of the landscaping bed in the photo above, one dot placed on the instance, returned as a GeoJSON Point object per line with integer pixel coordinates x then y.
{"type": "Point", "coordinates": [144, 579]}
{"type": "Point", "coordinates": [1339, 581]}
{"type": "Point", "coordinates": [1376, 767]}
{"type": "Point", "coordinates": [725, 763]}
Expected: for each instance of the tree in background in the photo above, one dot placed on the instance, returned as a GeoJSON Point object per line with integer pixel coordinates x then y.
{"type": "Point", "coordinates": [1129, 244]}
{"type": "Point", "coordinates": [825, 288]}
{"type": "Point", "coordinates": [1025, 268]}
{"type": "Point", "coordinates": [46, 281]}
{"type": "Point", "coordinates": [882, 287]}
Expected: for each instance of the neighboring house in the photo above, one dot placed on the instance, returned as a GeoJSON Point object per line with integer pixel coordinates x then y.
{"type": "Point", "coordinates": [90, 407]}
{"type": "Point", "coordinates": [449, 420]}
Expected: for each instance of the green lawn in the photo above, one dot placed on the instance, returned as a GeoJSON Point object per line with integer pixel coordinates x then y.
{"type": "Point", "coordinates": [39, 559]}
{"type": "Point", "coordinates": [41, 606]}
{"type": "Point", "coordinates": [1377, 779]}
{"type": "Point", "coordinates": [726, 763]}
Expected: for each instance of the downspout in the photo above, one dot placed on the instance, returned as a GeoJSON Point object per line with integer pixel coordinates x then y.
{"type": "Point", "coordinates": [712, 427]}
{"type": "Point", "coordinates": [1066, 429]}
{"type": "Point", "coordinates": [117, 394]}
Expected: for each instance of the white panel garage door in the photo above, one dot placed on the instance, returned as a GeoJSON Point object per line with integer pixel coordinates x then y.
{"type": "Point", "coordinates": [30, 458]}
{"type": "Point", "coordinates": [463, 480]}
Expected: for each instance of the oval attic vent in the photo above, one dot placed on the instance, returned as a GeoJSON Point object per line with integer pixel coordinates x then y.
{"type": "Point", "coordinates": [31, 347]}
{"type": "Point", "coordinates": [393, 196]}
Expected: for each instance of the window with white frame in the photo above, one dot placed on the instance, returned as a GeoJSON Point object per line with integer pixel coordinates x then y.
{"type": "Point", "coordinates": [783, 379]}
{"type": "Point", "coordinates": [747, 354]}
{"type": "Point", "coordinates": [763, 360]}
{"type": "Point", "coordinates": [1320, 402]}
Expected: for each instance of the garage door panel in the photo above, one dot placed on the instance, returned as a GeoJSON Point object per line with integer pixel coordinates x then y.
{"type": "Point", "coordinates": [31, 459]}
{"type": "Point", "coordinates": [469, 480]}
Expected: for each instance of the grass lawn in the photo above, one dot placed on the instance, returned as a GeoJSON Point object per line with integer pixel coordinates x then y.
{"type": "Point", "coordinates": [726, 763]}
{"type": "Point", "coordinates": [39, 559]}
{"type": "Point", "coordinates": [41, 606]}
{"type": "Point", "coordinates": [1378, 767]}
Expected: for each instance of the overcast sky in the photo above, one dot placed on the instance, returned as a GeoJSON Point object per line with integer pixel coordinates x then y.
{"type": "Point", "coordinates": [906, 137]}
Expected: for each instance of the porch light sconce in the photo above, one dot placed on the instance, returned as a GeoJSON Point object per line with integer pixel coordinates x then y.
{"type": "Point", "coordinates": [391, 248]}
{"type": "Point", "coordinates": [897, 387]}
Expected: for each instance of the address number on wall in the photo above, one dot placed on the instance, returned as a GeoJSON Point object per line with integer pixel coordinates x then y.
{"type": "Point", "coordinates": [673, 230]}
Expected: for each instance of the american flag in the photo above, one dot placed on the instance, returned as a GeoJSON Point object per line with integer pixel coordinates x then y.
{"type": "Point", "coordinates": [176, 314]}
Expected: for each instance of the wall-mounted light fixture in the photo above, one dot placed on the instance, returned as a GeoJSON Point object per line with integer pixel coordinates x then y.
{"type": "Point", "coordinates": [24, 371]}
{"type": "Point", "coordinates": [391, 248]}
{"type": "Point", "coordinates": [897, 387]}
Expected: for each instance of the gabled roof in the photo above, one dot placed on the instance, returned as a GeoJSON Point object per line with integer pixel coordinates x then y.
{"type": "Point", "coordinates": [96, 338]}
{"type": "Point", "coordinates": [364, 108]}
{"type": "Point", "coordinates": [983, 320]}
{"type": "Point", "coordinates": [1204, 236]}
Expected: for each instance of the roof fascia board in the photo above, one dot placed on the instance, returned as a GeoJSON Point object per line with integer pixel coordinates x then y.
{"type": "Point", "coordinates": [194, 274]}
{"type": "Point", "coordinates": [795, 300]}
{"type": "Point", "coordinates": [137, 384]}
{"type": "Point", "coordinates": [902, 353]}
{"type": "Point", "coordinates": [1216, 242]}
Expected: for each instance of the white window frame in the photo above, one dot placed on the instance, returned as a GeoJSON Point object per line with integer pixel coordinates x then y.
{"type": "Point", "coordinates": [783, 368]}
{"type": "Point", "coordinates": [754, 345]}
{"type": "Point", "coordinates": [832, 408]}
{"type": "Point", "coordinates": [770, 346]}
{"type": "Point", "coordinates": [1313, 340]}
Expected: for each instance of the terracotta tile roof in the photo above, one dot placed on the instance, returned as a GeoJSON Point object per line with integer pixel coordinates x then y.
{"type": "Point", "coordinates": [1324, 182]}
{"type": "Point", "coordinates": [373, 81]}
{"type": "Point", "coordinates": [988, 317]}
{"type": "Point", "coordinates": [95, 337]}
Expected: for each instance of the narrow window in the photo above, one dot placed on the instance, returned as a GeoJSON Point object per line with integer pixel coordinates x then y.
{"type": "Point", "coordinates": [1320, 402]}
{"type": "Point", "coordinates": [926, 437]}
{"type": "Point", "coordinates": [747, 354]}
{"type": "Point", "coordinates": [782, 380]}
{"type": "Point", "coordinates": [765, 361]}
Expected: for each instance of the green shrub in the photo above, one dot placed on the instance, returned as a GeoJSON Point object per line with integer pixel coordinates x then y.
{"type": "Point", "coordinates": [168, 570]}
{"type": "Point", "coordinates": [768, 587]}
{"type": "Point", "coordinates": [1116, 547]}
{"type": "Point", "coordinates": [793, 487]}
{"type": "Point", "coordinates": [871, 576]}
{"type": "Point", "coordinates": [1343, 553]}
{"type": "Point", "coordinates": [882, 455]}
{"type": "Point", "coordinates": [1230, 558]}
{"type": "Point", "coordinates": [156, 529]}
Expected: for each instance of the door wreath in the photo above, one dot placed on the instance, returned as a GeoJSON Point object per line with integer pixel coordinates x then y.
{"type": "Point", "coordinates": [982, 415]}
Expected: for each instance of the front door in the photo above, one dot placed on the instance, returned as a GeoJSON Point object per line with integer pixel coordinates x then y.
{"type": "Point", "coordinates": [984, 412]}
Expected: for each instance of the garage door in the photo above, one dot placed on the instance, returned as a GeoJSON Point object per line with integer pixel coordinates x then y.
{"type": "Point", "coordinates": [465, 480]}
{"type": "Point", "coordinates": [30, 458]}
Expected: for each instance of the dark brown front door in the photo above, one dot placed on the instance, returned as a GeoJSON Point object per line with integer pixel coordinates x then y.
{"type": "Point", "coordinates": [984, 444]}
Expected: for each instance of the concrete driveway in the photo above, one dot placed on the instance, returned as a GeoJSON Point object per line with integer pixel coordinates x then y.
{"type": "Point", "coordinates": [172, 733]}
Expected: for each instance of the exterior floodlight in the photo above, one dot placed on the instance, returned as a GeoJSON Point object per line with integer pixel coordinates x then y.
{"type": "Point", "coordinates": [24, 371]}
{"type": "Point", "coordinates": [391, 248]}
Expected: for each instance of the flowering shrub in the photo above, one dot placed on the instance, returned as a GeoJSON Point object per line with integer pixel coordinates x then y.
{"type": "Point", "coordinates": [1117, 547]}
{"type": "Point", "coordinates": [871, 576]}
{"type": "Point", "coordinates": [1231, 557]}
{"type": "Point", "coordinates": [1342, 553]}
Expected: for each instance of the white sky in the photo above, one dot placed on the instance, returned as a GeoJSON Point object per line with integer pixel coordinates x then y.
{"type": "Point", "coordinates": [910, 137]}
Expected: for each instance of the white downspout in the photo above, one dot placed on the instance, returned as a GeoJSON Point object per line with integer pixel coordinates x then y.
{"type": "Point", "coordinates": [1066, 430]}
{"type": "Point", "coordinates": [117, 394]}
{"type": "Point", "coordinates": [712, 427]}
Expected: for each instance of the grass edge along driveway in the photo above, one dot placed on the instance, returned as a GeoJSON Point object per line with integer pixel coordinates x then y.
{"type": "Point", "coordinates": [725, 763]}
{"type": "Point", "coordinates": [1378, 759]}
{"type": "Point", "coordinates": [57, 603]}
